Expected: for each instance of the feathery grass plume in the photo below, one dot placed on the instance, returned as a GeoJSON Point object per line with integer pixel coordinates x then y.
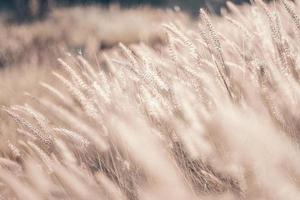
{"type": "Point", "coordinates": [215, 41]}
{"type": "Point", "coordinates": [276, 36]}
{"type": "Point", "coordinates": [285, 52]}
{"type": "Point", "coordinates": [135, 66]}
{"type": "Point", "coordinates": [186, 41]}
{"type": "Point", "coordinates": [292, 12]}
{"type": "Point", "coordinates": [33, 130]}
{"type": "Point", "coordinates": [152, 78]}
{"type": "Point", "coordinates": [224, 72]}
{"type": "Point", "coordinates": [172, 50]}
{"type": "Point", "coordinates": [41, 120]}
{"type": "Point", "coordinates": [73, 121]}
{"type": "Point", "coordinates": [74, 75]}
{"type": "Point", "coordinates": [272, 24]}
{"type": "Point", "coordinates": [87, 105]}
{"type": "Point", "coordinates": [291, 60]}
{"type": "Point", "coordinates": [42, 124]}
{"type": "Point", "coordinates": [235, 47]}
{"type": "Point", "coordinates": [77, 140]}
{"type": "Point", "coordinates": [64, 99]}
{"type": "Point", "coordinates": [91, 72]}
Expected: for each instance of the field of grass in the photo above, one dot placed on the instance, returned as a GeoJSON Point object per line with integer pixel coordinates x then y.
{"type": "Point", "coordinates": [206, 110]}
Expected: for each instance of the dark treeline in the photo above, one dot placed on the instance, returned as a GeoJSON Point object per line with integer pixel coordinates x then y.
{"type": "Point", "coordinates": [187, 3]}
{"type": "Point", "coordinates": [26, 9]}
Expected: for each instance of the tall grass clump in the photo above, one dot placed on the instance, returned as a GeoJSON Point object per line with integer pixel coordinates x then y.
{"type": "Point", "coordinates": [210, 114]}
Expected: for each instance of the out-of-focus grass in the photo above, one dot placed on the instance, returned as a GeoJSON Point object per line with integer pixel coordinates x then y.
{"type": "Point", "coordinates": [80, 29]}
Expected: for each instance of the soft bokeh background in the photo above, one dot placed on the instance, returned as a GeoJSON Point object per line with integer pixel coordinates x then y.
{"type": "Point", "coordinates": [188, 5]}
{"type": "Point", "coordinates": [32, 27]}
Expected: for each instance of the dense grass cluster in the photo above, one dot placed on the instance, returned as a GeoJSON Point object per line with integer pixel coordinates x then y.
{"type": "Point", "coordinates": [212, 114]}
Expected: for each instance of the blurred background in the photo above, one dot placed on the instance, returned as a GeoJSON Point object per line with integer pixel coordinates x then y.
{"type": "Point", "coordinates": [33, 9]}
{"type": "Point", "coordinates": [34, 33]}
